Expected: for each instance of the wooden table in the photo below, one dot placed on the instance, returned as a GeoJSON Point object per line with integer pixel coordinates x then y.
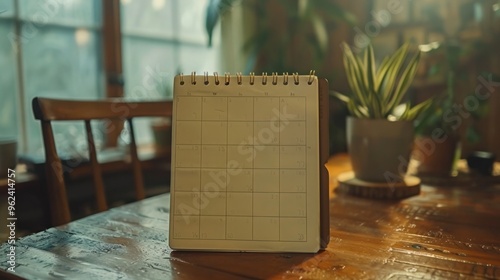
{"type": "Point", "coordinates": [444, 233]}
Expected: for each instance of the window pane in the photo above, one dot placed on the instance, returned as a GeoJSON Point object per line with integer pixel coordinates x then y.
{"type": "Point", "coordinates": [191, 23]}
{"type": "Point", "coordinates": [6, 8]}
{"type": "Point", "coordinates": [70, 138]}
{"type": "Point", "coordinates": [63, 63]}
{"type": "Point", "coordinates": [149, 68]}
{"type": "Point", "coordinates": [160, 39]}
{"type": "Point", "coordinates": [148, 18]}
{"type": "Point", "coordinates": [200, 59]}
{"type": "Point", "coordinates": [68, 12]}
{"type": "Point", "coordinates": [8, 86]}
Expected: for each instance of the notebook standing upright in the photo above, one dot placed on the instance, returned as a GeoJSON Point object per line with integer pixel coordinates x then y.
{"type": "Point", "coordinates": [248, 156]}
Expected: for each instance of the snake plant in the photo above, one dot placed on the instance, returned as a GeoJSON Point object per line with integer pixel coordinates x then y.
{"type": "Point", "coordinates": [376, 93]}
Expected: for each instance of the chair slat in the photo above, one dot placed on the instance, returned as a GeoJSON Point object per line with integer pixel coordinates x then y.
{"type": "Point", "coordinates": [47, 110]}
{"type": "Point", "coordinates": [136, 164]}
{"type": "Point", "coordinates": [96, 170]}
{"type": "Point", "coordinates": [56, 109]}
{"type": "Point", "coordinates": [58, 200]}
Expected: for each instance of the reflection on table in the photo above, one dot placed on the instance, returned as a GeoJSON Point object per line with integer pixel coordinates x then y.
{"type": "Point", "coordinates": [445, 232]}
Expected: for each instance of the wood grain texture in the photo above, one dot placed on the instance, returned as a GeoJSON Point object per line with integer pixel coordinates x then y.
{"type": "Point", "coordinates": [48, 109]}
{"type": "Point", "coordinates": [444, 233]}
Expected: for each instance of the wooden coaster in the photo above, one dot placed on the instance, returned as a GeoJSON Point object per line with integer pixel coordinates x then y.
{"type": "Point", "coordinates": [349, 184]}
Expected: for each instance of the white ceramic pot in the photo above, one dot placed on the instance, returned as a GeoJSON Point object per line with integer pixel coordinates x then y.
{"type": "Point", "coordinates": [379, 149]}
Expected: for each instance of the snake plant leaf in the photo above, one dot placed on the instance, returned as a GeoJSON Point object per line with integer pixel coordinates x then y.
{"type": "Point", "coordinates": [381, 71]}
{"type": "Point", "coordinates": [369, 62]}
{"type": "Point", "coordinates": [358, 67]}
{"type": "Point", "coordinates": [365, 86]}
{"type": "Point", "coordinates": [361, 73]}
{"type": "Point", "coordinates": [340, 96]}
{"type": "Point", "coordinates": [356, 110]}
{"type": "Point", "coordinates": [377, 108]}
{"type": "Point", "coordinates": [376, 93]}
{"type": "Point", "coordinates": [370, 84]}
{"type": "Point", "coordinates": [414, 112]}
{"type": "Point", "coordinates": [351, 106]}
{"type": "Point", "coordinates": [393, 95]}
{"type": "Point", "coordinates": [351, 79]}
{"type": "Point", "coordinates": [405, 81]}
{"type": "Point", "coordinates": [353, 75]}
{"type": "Point", "coordinates": [386, 69]}
{"type": "Point", "coordinates": [393, 68]}
{"type": "Point", "coordinates": [406, 111]}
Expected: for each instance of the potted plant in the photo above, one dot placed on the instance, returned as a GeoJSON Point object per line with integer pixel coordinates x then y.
{"type": "Point", "coordinates": [444, 125]}
{"type": "Point", "coordinates": [441, 128]}
{"type": "Point", "coordinates": [380, 130]}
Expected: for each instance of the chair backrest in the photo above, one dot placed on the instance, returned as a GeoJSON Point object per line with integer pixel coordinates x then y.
{"type": "Point", "coordinates": [47, 110]}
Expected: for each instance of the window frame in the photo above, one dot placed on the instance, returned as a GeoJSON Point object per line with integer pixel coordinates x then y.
{"type": "Point", "coordinates": [111, 61]}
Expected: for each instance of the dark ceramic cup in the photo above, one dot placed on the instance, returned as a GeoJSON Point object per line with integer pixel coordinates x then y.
{"type": "Point", "coordinates": [481, 162]}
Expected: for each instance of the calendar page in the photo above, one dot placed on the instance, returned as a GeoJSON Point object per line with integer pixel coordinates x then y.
{"type": "Point", "coordinates": [245, 164]}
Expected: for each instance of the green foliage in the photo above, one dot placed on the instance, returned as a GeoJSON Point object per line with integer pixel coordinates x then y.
{"type": "Point", "coordinates": [307, 28]}
{"type": "Point", "coordinates": [445, 114]}
{"type": "Point", "coordinates": [377, 92]}
{"type": "Point", "coordinates": [214, 9]}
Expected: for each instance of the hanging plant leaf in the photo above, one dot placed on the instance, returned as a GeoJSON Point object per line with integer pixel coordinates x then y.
{"type": "Point", "coordinates": [214, 10]}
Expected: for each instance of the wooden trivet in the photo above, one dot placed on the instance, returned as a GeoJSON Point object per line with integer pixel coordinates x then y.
{"type": "Point", "coordinates": [349, 184]}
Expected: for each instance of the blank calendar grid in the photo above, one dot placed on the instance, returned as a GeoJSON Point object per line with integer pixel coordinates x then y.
{"type": "Point", "coordinates": [240, 168]}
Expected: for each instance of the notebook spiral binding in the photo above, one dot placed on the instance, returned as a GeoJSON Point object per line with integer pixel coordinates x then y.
{"type": "Point", "coordinates": [239, 78]}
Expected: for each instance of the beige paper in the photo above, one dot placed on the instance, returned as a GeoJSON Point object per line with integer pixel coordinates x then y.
{"type": "Point", "coordinates": [245, 164]}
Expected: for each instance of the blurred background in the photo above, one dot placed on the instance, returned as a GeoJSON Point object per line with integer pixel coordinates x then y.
{"type": "Point", "coordinates": [90, 49]}
{"type": "Point", "coordinates": [96, 48]}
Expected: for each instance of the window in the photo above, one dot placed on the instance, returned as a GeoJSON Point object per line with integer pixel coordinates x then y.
{"type": "Point", "coordinates": [51, 49]}
{"type": "Point", "coordinates": [54, 48]}
{"type": "Point", "coordinates": [161, 38]}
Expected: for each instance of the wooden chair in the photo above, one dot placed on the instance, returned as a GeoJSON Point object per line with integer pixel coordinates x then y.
{"type": "Point", "coordinates": [48, 110]}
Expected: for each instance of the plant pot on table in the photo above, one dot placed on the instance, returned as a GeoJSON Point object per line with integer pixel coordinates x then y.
{"type": "Point", "coordinates": [380, 149]}
{"type": "Point", "coordinates": [436, 158]}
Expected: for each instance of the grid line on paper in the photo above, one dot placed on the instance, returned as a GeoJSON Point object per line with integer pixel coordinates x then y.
{"type": "Point", "coordinates": [227, 162]}
{"type": "Point", "coordinates": [279, 174]}
{"type": "Point", "coordinates": [201, 166]}
{"type": "Point", "coordinates": [306, 171]}
{"type": "Point", "coordinates": [286, 153]}
{"type": "Point", "coordinates": [253, 160]}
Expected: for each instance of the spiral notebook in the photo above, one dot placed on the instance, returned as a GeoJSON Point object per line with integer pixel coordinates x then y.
{"type": "Point", "coordinates": [248, 155]}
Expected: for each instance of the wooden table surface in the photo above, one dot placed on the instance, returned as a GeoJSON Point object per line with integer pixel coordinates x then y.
{"type": "Point", "coordinates": [444, 233]}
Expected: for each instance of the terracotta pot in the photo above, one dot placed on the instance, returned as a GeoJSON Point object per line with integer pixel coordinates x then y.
{"type": "Point", "coordinates": [379, 149]}
{"type": "Point", "coordinates": [435, 157]}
